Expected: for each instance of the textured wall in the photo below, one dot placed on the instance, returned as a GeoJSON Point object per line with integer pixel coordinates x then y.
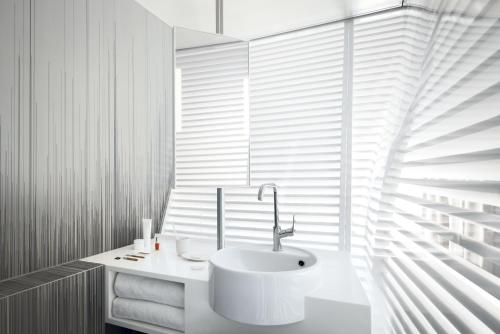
{"type": "Point", "coordinates": [63, 299]}
{"type": "Point", "coordinates": [85, 128]}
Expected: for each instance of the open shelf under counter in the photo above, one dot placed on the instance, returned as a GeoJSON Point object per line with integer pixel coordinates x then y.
{"type": "Point", "coordinates": [339, 305]}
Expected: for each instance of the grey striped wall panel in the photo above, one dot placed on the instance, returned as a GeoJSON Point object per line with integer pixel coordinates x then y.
{"type": "Point", "coordinates": [85, 128]}
{"type": "Point", "coordinates": [36, 303]}
{"type": "Point", "coordinates": [4, 315]}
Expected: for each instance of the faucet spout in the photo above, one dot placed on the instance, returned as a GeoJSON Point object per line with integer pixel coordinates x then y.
{"type": "Point", "coordinates": [278, 234]}
{"type": "Point", "coordinates": [260, 196]}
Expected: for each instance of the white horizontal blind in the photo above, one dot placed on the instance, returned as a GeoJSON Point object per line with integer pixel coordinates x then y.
{"type": "Point", "coordinates": [211, 147]}
{"type": "Point", "coordinates": [444, 187]}
{"type": "Point", "coordinates": [387, 53]}
{"type": "Point", "coordinates": [193, 210]}
{"type": "Point", "coordinates": [295, 119]}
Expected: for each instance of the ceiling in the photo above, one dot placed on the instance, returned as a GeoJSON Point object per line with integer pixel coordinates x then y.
{"type": "Point", "coordinates": [246, 20]}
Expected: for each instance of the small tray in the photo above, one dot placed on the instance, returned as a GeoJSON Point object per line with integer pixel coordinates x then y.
{"type": "Point", "coordinates": [195, 257]}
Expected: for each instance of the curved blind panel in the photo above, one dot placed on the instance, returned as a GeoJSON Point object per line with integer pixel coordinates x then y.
{"type": "Point", "coordinates": [387, 52]}
{"type": "Point", "coordinates": [442, 188]}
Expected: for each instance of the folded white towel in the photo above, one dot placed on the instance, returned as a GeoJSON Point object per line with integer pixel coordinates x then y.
{"type": "Point", "coordinates": [150, 289]}
{"type": "Point", "coordinates": [149, 312]}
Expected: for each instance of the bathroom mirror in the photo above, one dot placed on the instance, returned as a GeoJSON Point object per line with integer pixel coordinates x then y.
{"type": "Point", "coordinates": [211, 126]}
{"type": "Point", "coordinates": [211, 110]}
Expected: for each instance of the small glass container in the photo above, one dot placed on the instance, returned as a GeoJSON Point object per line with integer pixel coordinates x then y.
{"type": "Point", "coordinates": [139, 244]}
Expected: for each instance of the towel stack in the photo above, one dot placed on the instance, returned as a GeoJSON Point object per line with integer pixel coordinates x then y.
{"type": "Point", "coordinates": [149, 300]}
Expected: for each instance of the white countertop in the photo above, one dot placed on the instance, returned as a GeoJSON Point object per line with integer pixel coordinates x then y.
{"type": "Point", "coordinates": [340, 282]}
{"type": "Point", "coordinates": [162, 264]}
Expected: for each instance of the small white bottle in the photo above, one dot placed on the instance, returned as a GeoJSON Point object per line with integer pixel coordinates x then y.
{"type": "Point", "coordinates": [146, 234]}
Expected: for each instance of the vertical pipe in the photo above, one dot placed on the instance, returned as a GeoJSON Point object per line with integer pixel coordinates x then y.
{"type": "Point", "coordinates": [346, 154]}
{"type": "Point", "coordinates": [175, 113]}
{"type": "Point", "coordinates": [219, 17]}
{"type": "Point", "coordinates": [220, 218]}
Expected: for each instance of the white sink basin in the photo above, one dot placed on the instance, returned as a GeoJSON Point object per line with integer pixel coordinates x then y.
{"type": "Point", "coordinates": [254, 285]}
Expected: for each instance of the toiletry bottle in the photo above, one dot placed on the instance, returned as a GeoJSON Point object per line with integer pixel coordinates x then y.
{"type": "Point", "coordinates": [146, 234]}
{"type": "Point", "coordinates": [157, 244]}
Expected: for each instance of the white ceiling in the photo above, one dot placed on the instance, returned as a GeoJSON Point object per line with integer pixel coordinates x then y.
{"type": "Point", "coordinates": [249, 19]}
{"type": "Point", "coordinates": [252, 19]}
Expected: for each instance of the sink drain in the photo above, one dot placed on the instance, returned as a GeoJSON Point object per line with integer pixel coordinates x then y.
{"type": "Point", "coordinates": [301, 263]}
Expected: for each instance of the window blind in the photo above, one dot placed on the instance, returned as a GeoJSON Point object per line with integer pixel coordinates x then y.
{"type": "Point", "coordinates": [294, 129]}
{"type": "Point", "coordinates": [442, 188]}
{"type": "Point", "coordinates": [295, 126]}
{"type": "Point", "coordinates": [387, 52]}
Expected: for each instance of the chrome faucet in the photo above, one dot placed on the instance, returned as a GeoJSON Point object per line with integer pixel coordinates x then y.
{"type": "Point", "coordinates": [278, 234]}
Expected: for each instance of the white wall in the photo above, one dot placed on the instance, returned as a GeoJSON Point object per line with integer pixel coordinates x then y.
{"type": "Point", "coordinates": [193, 14]}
